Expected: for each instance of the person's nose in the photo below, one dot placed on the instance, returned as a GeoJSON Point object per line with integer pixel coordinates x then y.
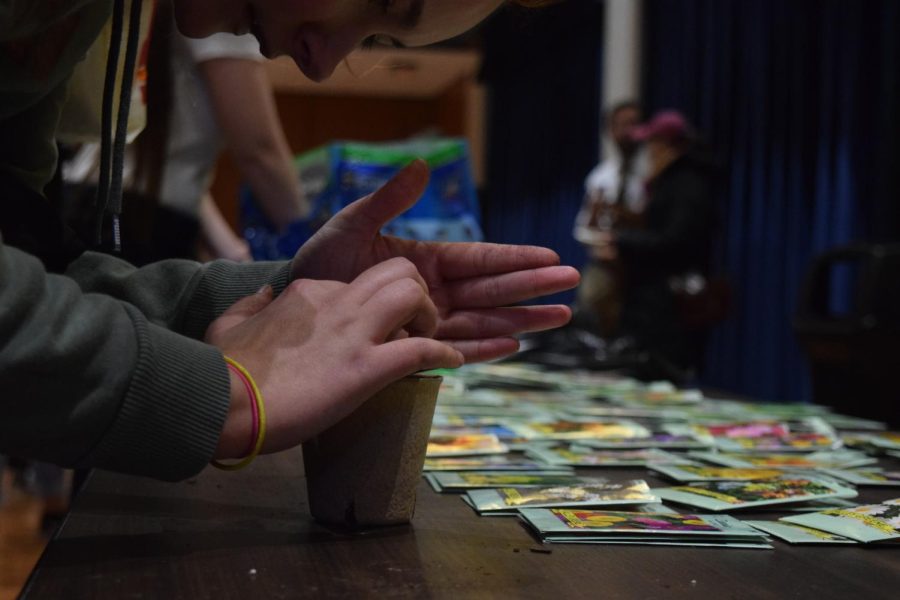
{"type": "Point", "coordinates": [317, 53]}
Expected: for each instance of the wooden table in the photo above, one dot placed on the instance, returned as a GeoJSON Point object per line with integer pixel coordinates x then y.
{"type": "Point", "coordinates": [249, 535]}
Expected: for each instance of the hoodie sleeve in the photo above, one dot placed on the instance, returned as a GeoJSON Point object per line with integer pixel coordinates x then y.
{"type": "Point", "coordinates": [96, 366]}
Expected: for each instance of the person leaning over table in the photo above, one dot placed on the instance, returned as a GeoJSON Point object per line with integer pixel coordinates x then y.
{"type": "Point", "coordinates": [110, 366]}
{"type": "Point", "coordinates": [202, 95]}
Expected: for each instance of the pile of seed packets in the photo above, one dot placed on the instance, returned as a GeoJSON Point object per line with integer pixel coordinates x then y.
{"type": "Point", "coordinates": [665, 529]}
{"type": "Point", "coordinates": [509, 437]}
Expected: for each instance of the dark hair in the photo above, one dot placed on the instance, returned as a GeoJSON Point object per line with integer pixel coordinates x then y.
{"type": "Point", "coordinates": [618, 107]}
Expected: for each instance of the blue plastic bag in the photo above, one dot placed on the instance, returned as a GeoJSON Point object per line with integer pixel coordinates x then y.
{"type": "Point", "coordinates": [341, 173]}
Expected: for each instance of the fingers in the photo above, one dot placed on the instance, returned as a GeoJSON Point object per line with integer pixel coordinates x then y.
{"type": "Point", "coordinates": [406, 356]}
{"type": "Point", "coordinates": [392, 199]}
{"type": "Point", "coordinates": [402, 304]}
{"type": "Point", "coordinates": [240, 311]}
{"type": "Point", "coordinates": [381, 275]}
{"type": "Point", "coordinates": [509, 288]}
{"type": "Point", "coordinates": [486, 349]}
{"type": "Point", "coordinates": [463, 260]}
{"type": "Point", "coordinates": [497, 322]}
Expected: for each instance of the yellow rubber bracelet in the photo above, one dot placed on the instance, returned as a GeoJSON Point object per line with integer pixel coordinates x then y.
{"type": "Point", "coordinates": [261, 411]}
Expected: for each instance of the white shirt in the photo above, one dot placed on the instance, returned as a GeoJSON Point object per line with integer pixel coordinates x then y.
{"type": "Point", "coordinates": [195, 141]}
{"type": "Point", "coordinates": [603, 183]}
{"type": "Point", "coordinates": [605, 179]}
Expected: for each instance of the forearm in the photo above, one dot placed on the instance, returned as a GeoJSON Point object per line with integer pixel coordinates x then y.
{"type": "Point", "coordinates": [269, 172]}
{"type": "Point", "coordinates": [258, 145]}
{"type": "Point", "coordinates": [98, 385]}
{"type": "Point", "coordinates": [180, 295]}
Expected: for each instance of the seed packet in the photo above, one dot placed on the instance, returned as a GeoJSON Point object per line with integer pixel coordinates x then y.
{"type": "Point", "coordinates": [705, 473]}
{"type": "Point", "coordinates": [509, 500]}
{"type": "Point", "coordinates": [839, 459]}
{"type": "Point", "coordinates": [866, 477]}
{"type": "Point", "coordinates": [792, 442]}
{"type": "Point", "coordinates": [730, 495]}
{"type": "Point", "coordinates": [886, 440]}
{"type": "Point", "coordinates": [577, 430]}
{"type": "Point", "coordinates": [459, 481]}
{"type": "Point", "coordinates": [583, 456]}
{"type": "Point", "coordinates": [657, 440]}
{"type": "Point", "coordinates": [493, 462]}
{"type": "Point", "coordinates": [866, 523]}
{"type": "Point", "coordinates": [798, 534]}
{"type": "Point", "coordinates": [603, 526]}
{"type": "Point", "coordinates": [464, 444]}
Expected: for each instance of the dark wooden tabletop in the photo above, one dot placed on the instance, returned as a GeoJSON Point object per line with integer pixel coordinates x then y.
{"type": "Point", "coordinates": [249, 535]}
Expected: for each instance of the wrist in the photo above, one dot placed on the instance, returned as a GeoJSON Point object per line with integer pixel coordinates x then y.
{"type": "Point", "coordinates": [238, 427]}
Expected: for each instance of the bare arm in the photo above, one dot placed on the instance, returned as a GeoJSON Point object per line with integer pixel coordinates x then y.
{"type": "Point", "coordinates": [218, 236]}
{"type": "Point", "coordinates": [245, 109]}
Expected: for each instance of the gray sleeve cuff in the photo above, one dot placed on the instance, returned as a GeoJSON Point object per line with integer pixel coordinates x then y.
{"type": "Point", "coordinates": [173, 413]}
{"type": "Point", "coordinates": [222, 284]}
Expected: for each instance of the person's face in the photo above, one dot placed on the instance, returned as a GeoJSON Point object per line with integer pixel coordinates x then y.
{"type": "Point", "coordinates": [620, 126]}
{"type": "Point", "coordinates": [318, 34]}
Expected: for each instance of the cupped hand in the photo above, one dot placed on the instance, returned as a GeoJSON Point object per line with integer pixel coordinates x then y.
{"type": "Point", "coordinates": [322, 347]}
{"type": "Point", "coordinates": [470, 284]}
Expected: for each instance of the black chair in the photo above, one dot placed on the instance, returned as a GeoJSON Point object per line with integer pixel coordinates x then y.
{"type": "Point", "coordinates": [854, 347]}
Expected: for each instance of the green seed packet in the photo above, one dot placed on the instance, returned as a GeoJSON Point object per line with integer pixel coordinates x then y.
{"type": "Point", "coordinates": [705, 473]}
{"type": "Point", "coordinates": [494, 462]}
{"type": "Point", "coordinates": [855, 423]}
{"type": "Point", "coordinates": [459, 481]}
{"type": "Point", "coordinates": [866, 477]}
{"type": "Point", "coordinates": [652, 541]}
{"type": "Point", "coordinates": [866, 523]}
{"type": "Point", "coordinates": [885, 440]}
{"type": "Point", "coordinates": [583, 456]}
{"type": "Point", "coordinates": [836, 459]}
{"type": "Point", "coordinates": [731, 495]}
{"type": "Point", "coordinates": [559, 522]}
{"type": "Point", "coordinates": [791, 442]}
{"type": "Point", "coordinates": [464, 444]}
{"type": "Point", "coordinates": [578, 430]}
{"type": "Point", "coordinates": [604, 494]}
{"type": "Point", "coordinates": [798, 534]}
{"type": "Point", "coordinates": [656, 440]}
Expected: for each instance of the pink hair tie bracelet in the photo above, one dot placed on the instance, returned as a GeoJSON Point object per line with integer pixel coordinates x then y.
{"type": "Point", "coordinates": [258, 410]}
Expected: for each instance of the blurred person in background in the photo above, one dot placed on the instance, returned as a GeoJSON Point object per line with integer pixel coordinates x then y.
{"type": "Point", "coordinates": [665, 257]}
{"type": "Point", "coordinates": [614, 196]}
{"type": "Point", "coordinates": [203, 95]}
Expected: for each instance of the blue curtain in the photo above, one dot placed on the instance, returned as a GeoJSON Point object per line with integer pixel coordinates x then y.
{"type": "Point", "coordinates": [542, 73]}
{"type": "Point", "coordinates": [799, 99]}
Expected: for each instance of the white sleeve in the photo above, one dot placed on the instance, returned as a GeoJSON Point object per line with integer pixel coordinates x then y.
{"type": "Point", "coordinates": [602, 178]}
{"type": "Point", "coordinates": [224, 45]}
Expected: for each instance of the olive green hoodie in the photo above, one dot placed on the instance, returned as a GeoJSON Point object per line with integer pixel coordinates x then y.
{"type": "Point", "coordinates": [102, 365]}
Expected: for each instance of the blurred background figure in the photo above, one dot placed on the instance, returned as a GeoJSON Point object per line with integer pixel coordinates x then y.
{"type": "Point", "coordinates": [664, 255]}
{"type": "Point", "coordinates": [202, 95]}
{"type": "Point", "coordinates": [614, 196]}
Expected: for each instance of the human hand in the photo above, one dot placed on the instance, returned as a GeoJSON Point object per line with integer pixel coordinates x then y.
{"type": "Point", "coordinates": [471, 284]}
{"type": "Point", "coordinates": [322, 348]}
